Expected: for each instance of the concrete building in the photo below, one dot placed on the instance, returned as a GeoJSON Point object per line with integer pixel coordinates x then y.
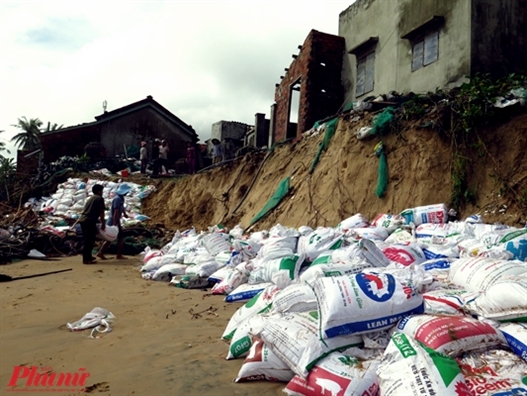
{"type": "Point", "coordinates": [310, 89]}
{"type": "Point", "coordinates": [231, 134]}
{"type": "Point", "coordinates": [229, 129]}
{"type": "Point", "coordinates": [419, 45]}
{"type": "Point", "coordinates": [125, 126]}
{"type": "Point", "coordinates": [258, 135]}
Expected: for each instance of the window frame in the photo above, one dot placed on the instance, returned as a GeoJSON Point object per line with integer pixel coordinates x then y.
{"type": "Point", "coordinates": [367, 60]}
{"type": "Point", "coordinates": [427, 49]}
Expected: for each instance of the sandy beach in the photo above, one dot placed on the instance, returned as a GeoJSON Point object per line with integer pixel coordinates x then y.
{"type": "Point", "coordinates": [156, 347]}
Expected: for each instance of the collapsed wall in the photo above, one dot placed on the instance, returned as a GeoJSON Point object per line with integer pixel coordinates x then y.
{"type": "Point", "coordinates": [420, 163]}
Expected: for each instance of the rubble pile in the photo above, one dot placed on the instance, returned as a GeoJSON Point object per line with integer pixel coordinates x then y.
{"type": "Point", "coordinates": [47, 225]}
{"type": "Point", "coordinates": [404, 304]}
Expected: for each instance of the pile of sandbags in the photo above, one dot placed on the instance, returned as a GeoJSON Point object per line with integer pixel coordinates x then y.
{"type": "Point", "coordinates": [407, 304]}
{"type": "Point", "coordinates": [69, 199]}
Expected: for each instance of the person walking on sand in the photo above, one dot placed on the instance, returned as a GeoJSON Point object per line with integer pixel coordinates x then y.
{"type": "Point", "coordinates": [117, 211]}
{"type": "Point", "coordinates": [93, 211]}
{"type": "Point", "coordinates": [191, 158]}
{"type": "Point", "coordinates": [143, 156]}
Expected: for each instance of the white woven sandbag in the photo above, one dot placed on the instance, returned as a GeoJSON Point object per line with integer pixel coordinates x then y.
{"type": "Point", "coordinates": [451, 335]}
{"type": "Point", "coordinates": [262, 364]}
{"type": "Point", "coordinates": [410, 369]}
{"type": "Point", "coordinates": [479, 273]}
{"type": "Point", "coordinates": [295, 339]}
{"type": "Point", "coordinates": [362, 303]}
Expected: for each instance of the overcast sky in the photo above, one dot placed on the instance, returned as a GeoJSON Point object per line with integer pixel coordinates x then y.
{"type": "Point", "coordinates": [205, 61]}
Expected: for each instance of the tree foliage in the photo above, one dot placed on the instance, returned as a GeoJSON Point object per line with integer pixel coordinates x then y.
{"type": "Point", "coordinates": [52, 127]}
{"type": "Point", "coordinates": [7, 176]}
{"type": "Point", "coordinates": [3, 148]}
{"type": "Point", "coordinates": [29, 138]}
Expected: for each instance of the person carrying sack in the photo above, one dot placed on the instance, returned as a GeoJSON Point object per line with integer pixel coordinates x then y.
{"type": "Point", "coordinates": [117, 211]}
{"type": "Point", "coordinates": [93, 210]}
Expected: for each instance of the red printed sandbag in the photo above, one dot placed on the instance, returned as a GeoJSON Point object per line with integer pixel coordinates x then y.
{"type": "Point", "coordinates": [337, 375]}
{"type": "Point", "coordinates": [151, 254]}
{"type": "Point", "coordinates": [451, 335]}
{"type": "Point", "coordinates": [444, 302]}
{"type": "Point", "coordinates": [262, 364]}
{"type": "Point", "coordinates": [233, 279]}
{"type": "Point", "coordinates": [406, 254]}
{"type": "Point", "coordinates": [494, 373]}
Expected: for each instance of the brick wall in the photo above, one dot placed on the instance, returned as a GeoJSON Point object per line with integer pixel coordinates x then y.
{"type": "Point", "coordinates": [318, 66]}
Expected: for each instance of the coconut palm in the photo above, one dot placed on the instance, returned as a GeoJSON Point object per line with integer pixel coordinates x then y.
{"type": "Point", "coordinates": [3, 148]}
{"type": "Point", "coordinates": [53, 127]}
{"type": "Point", "coordinates": [7, 173]}
{"type": "Point", "coordinates": [29, 138]}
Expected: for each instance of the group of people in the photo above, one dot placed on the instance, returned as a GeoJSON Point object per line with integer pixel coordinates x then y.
{"type": "Point", "coordinates": [160, 152]}
{"type": "Point", "coordinates": [159, 156]}
{"type": "Point", "coordinates": [93, 213]}
{"type": "Point", "coordinates": [222, 151]}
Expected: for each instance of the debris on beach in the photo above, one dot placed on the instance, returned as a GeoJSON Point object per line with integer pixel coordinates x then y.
{"type": "Point", "coordinates": [48, 225]}
{"type": "Point", "coordinates": [98, 319]}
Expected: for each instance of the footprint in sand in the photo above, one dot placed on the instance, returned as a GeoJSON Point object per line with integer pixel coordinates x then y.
{"type": "Point", "coordinates": [98, 387]}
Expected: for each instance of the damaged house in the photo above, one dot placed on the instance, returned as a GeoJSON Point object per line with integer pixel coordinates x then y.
{"type": "Point", "coordinates": [310, 89]}
{"type": "Point", "coordinates": [420, 45]}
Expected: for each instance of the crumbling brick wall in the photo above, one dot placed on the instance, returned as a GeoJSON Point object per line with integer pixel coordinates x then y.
{"type": "Point", "coordinates": [318, 66]}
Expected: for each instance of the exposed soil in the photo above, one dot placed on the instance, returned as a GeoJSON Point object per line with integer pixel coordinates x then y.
{"type": "Point", "coordinates": [344, 182]}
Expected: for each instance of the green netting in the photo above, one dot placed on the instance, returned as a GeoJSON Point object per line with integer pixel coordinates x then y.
{"type": "Point", "coordinates": [382, 121]}
{"type": "Point", "coordinates": [273, 202]}
{"type": "Point", "coordinates": [382, 181]}
{"type": "Point", "coordinates": [331, 127]}
{"type": "Point", "coordinates": [348, 107]}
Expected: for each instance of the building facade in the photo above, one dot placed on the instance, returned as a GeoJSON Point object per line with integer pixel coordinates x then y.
{"type": "Point", "coordinates": [121, 128]}
{"type": "Point", "coordinates": [420, 45]}
{"type": "Point", "coordinates": [310, 89]}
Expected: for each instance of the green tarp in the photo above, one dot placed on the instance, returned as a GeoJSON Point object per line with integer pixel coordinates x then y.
{"type": "Point", "coordinates": [382, 122]}
{"type": "Point", "coordinates": [382, 181]}
{"type": "Point", "coordinates": [273, 202]}
{"type": "Point", "coordinates": [331, 127]}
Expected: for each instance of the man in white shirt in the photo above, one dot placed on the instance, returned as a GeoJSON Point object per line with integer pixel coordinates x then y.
{"type": "Point", "coordinates": [143, 156]}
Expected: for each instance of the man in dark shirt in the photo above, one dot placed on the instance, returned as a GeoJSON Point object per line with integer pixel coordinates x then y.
{"type": "Point", "coordinates": [93, 210]}
{"type": "Point", "coordinates": [155, 157]}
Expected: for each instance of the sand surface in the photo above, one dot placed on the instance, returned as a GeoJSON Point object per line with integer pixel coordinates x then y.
{"type": "Point", "coordinates": [155, 348]}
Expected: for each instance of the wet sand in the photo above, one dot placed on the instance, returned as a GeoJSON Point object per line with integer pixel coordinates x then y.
{"type": "Point", "coordinates": [155, 347]}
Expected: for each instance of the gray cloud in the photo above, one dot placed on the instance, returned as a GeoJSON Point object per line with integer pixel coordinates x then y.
{"type": "Point", "coordinates": [60, 34]}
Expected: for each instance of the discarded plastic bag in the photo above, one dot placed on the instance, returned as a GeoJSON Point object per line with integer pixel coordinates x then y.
{"type": "Point", "coordinates": [98, 318]}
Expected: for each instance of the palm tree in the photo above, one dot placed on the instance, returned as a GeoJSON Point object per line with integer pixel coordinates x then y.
{"type": "Point", "coordinates": [53, 127]}
{"type": "Point", "coordinates": [3, 148]}
{"type": "Point", "coordinates": [7, 173]}
{"type": "Point", "coordinates": [29, 138]}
